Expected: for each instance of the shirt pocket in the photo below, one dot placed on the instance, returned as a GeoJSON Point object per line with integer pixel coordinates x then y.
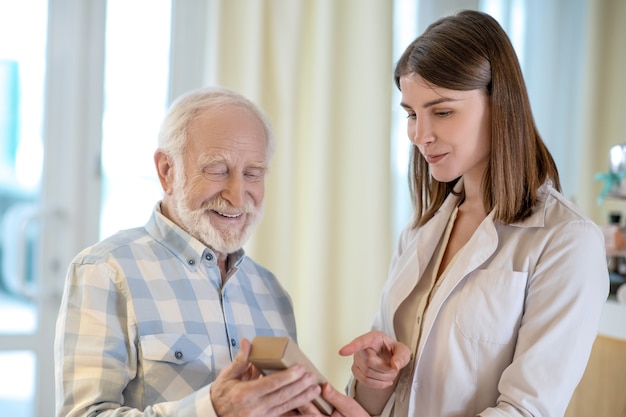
{"type": "Point", "coordinates": [491, 304]}
{"type": "Point", "coordinates": [175, 365]}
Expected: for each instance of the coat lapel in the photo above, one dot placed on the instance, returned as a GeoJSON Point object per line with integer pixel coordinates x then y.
{"type": "Point", "coordinates": [478, 249]}
{"type": "Point", "coordinates": [418, 254]}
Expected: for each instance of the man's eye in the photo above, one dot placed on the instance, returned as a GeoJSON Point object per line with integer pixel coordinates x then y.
{"type": "Point", "coordinates": [255, 174]}
{"type": "Point", "coordinates": [215, 171]}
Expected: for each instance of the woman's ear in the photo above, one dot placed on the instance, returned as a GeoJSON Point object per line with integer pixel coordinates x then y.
{"type": "Point", "coordinates": [165, 170]}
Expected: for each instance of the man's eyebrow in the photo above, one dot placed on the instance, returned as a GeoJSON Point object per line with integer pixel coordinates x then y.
{"type": "Point", "coordinates": [215, 159]}
{"type": "Point", "coordinates": [430, 103]}
{"type": "Point", "coordinates": [219, 158]}
{"type": "Point", "coordinates": [258, 164]}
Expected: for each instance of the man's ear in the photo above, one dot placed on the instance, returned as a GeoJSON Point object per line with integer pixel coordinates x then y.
{"type": "Point", "coordinates": [165, 170]}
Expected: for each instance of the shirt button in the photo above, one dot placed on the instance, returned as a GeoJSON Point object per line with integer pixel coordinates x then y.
{"type": "Point", "coordinates": [233, 342]}
{"type": "Point", "coordinates": [191, 262]}
{"type": "Point", "coordinates": [208, 257]}
{"type": "Point", "coordinates": [178, 354]}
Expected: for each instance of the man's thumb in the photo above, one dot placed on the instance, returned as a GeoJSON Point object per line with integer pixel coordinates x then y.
{"type": "Point", "coordinates": [240, 364]}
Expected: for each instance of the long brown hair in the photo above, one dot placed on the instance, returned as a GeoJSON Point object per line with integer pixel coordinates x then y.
{"type": "Point", "coordinates": [469, 51]}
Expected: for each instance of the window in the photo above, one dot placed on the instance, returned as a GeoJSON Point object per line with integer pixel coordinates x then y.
{"type": "Point", "coordinates": [136, 87]}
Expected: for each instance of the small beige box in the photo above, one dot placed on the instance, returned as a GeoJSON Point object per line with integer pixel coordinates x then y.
{"type": "Point", "coordinates": [270, 354]}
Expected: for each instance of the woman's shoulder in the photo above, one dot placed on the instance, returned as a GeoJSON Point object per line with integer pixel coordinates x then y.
{"type": "Point", "coordinates": [556, 206]}
{"type": "Point", "coordinates": [556, 214]}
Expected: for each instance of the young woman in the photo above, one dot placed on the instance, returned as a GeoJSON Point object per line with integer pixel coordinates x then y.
{"type": "Point", "coordinates": [498, 282]}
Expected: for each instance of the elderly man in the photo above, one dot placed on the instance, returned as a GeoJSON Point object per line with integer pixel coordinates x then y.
{"type": "Point", "coordinates": [153, 318]}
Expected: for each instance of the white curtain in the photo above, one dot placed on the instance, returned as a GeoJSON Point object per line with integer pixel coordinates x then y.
{"type": "Point", "coordinates": [322, 70]}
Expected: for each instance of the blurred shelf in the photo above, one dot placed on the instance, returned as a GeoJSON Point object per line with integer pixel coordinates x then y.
{"type": "Point", "coordinates": [615, 252]}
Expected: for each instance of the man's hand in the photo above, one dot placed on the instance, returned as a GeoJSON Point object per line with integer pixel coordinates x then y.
{"type": "Point", "coordinates": [239, 392]}
{"type": "Point", "coordinates": [377, 359]}
{"type": "Point", "coordinates": [344, 405]}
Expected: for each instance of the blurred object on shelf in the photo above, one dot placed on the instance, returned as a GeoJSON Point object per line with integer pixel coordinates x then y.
{"type": "Point", "coordinates": [614, 235]}
{"type": "Point", "coordinates": [615, 244]}
{"type": "Point", "coordinates": [617, 282]}
{"type": "Point", "coordinates": [615, 179]}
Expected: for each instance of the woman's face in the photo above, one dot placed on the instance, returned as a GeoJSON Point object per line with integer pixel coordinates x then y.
{"type": "Point", "coordinates": [452, 129]}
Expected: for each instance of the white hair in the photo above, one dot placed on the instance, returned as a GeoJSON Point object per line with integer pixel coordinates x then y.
{"type": "Point", "coordinates": [173, 132]}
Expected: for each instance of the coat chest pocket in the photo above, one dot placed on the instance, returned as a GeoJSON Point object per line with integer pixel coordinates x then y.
{"type": "Point", "coordinates": [176, 363]}
{"type": "Point", "coordinates": [491, 304]}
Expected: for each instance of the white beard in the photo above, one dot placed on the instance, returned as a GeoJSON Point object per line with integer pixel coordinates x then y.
{"type": "Point", "coordinates": [198, 224]}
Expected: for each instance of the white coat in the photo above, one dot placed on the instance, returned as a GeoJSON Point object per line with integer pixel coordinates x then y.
{"type": "Point", "coordinates": [510, 329]}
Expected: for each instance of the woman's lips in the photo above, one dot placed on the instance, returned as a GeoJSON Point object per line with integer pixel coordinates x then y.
{"type": "Point", "coordinates": [434, 158]}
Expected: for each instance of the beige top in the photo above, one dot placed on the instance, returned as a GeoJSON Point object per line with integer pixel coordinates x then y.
{"type": "Point", "coordinates": [407, 321]}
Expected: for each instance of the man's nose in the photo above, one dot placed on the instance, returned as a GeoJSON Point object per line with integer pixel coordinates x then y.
{"type": "Point", "coordinates": [234, 191]}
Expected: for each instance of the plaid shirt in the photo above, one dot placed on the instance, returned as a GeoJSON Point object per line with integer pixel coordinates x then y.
{"type": "Point", "coordinates": [145, 324]}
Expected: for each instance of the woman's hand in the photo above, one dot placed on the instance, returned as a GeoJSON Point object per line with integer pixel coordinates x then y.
{"type": "Point", "coordinates": [377, 358]}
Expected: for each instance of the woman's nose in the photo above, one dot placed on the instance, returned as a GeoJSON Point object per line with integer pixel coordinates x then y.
{"type": "Point", "coordinates": [421, 133]}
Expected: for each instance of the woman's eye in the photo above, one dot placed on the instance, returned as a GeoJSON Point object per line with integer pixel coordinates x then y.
{"type": "Point", "coordinates": [410, 116]}
{"type": "Point", "coordinates": [443, 113]}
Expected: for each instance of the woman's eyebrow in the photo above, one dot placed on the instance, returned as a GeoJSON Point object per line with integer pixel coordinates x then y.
{"type": "Point", "coordinates": [430, 103]}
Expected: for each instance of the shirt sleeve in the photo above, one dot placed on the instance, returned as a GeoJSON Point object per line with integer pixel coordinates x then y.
{"type": "Point", "coordinates": [96, 351]}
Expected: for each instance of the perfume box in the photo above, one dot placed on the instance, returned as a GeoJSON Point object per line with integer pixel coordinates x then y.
{"type": "Point", "coordinates": [270, 354]}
